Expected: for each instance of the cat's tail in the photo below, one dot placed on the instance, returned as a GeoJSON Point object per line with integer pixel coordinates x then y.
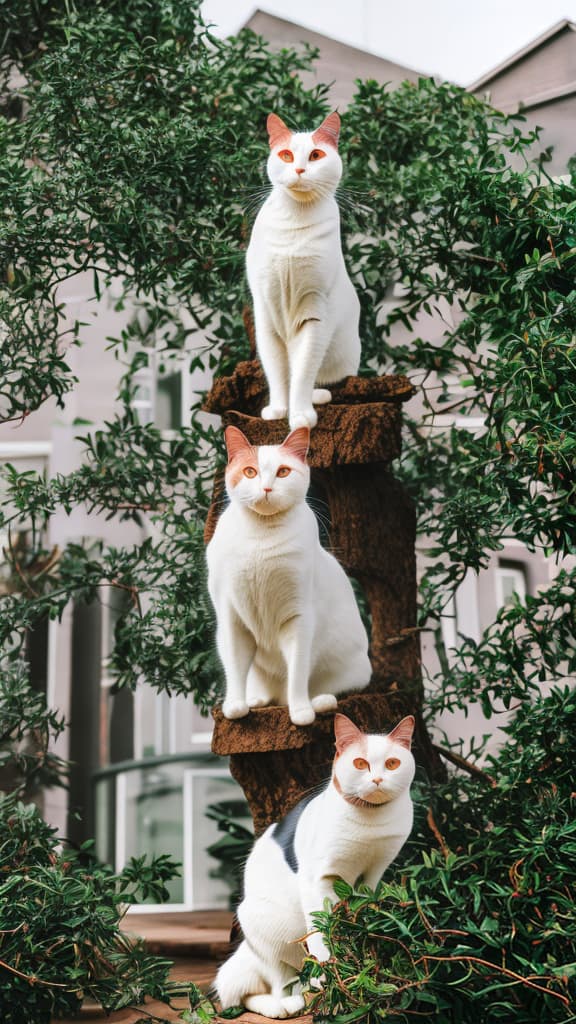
{"type": "Point", "coordinates": [239, 977]}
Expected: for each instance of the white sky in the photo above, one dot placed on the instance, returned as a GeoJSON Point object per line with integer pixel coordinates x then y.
{"type": "Point", "coordinates": [458, 40]}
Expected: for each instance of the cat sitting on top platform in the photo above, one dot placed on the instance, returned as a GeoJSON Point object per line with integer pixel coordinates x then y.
{"type": "Point", "coordinates": [306, 311]}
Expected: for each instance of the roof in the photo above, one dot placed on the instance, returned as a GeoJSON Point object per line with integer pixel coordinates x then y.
{"type": "Point", "coordinates": [288, 26]}
{"type": "Point", "coordinates": [526, 51]}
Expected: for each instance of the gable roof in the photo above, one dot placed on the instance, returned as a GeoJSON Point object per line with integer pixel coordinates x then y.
{"type": "Point", "coordinates": [560, 27]}
{"type": "Point", "coordinates": [296, 31]}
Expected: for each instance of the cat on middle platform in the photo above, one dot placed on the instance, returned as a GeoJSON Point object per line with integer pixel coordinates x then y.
{"type": "Point", "coordinates": [289, 631]}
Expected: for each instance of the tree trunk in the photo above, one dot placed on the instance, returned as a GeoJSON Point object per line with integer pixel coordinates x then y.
{"type": "Point", "coordinates": [372, 532]}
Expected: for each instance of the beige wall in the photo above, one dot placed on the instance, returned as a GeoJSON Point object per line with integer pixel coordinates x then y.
{"type": "Point", "coordinates": [338, 64]}
{"type": "Point", "coordinates": [549, 66]}
{"type": "Point", "coordinates": [542, 85]}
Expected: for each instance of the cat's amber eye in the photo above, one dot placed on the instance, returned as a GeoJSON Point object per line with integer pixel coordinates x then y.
{"type": "Point", "coordinates": [250, 472]}
{"type": "Point", "coordinates": [284, 471]}
{"type": "Point", "coordinates": [392, 763]}
{"type": "Point", "coordinates": [317, 154]}
{"type": "Point", "coordinates": [360, 764]}
{"type": "Point", "coordinates": [287, 156]}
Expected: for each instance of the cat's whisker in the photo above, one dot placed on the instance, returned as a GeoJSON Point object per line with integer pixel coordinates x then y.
{"type": "Point", "coordinates": [322, 517]}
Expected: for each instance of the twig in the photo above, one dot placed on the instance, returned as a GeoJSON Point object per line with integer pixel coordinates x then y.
{"type": "Point", "coordinates": [33, 980]}
{"type": "Point", "coordinates": [16, 419]}
{"type": "Point", "coordinates": [403, 635]}
{"type": "Point", "coordinates": [461, 762]}
{"type": "Point", "coordinates": [499, 970]}
{"type": "Point", "coordinates": [13, 561]}
{"type": "Point", "coordinates": [437, 833]}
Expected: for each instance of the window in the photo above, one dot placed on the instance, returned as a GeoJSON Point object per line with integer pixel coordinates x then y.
{"type": "Point", "coordinates": [510, 580]}
{"type": "Point", "coordinates": [162, 391]}
{"type": "Point", "coordinates": [21, 552]}
{"type": "Point", "coordinates": [169, 400]}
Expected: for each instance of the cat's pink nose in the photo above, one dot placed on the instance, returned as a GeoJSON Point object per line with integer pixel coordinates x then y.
{"type": "Point", "coordinates": [376, 781]}
{"type": "Point", "coordinates": [266, 490]}
{"type": "Point", "coordinates": [299, 170]}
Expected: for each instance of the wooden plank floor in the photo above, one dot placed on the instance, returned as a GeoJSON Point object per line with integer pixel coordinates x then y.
{"type": "Point", "coordinates": [197, 942]}
{"type": "Point", "coordinates": [195, 933]}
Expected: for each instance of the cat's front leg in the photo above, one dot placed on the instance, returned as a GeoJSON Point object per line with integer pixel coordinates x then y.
{"type": "Point", "coordinates": [313, 894]}
{"type": "Point", "coordinates": [236, 647]}
{"type": "Point", "coordinates": [306, 352]}
{"type": "Point", "coordinates": [274, 359]}
{"type": "Point", "coordinates": [295, 639]}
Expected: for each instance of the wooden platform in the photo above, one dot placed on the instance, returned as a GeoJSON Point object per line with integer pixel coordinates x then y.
{"type": "Point", "coordinates": [198, 933]}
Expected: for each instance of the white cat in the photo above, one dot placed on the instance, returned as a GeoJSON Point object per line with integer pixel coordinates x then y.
{"type": "Point", "coordinates": [289, 630]}
{"type": "Point", "coordinates": [354, 828]}
{"type": "Point", "coordinates": [306, 310]}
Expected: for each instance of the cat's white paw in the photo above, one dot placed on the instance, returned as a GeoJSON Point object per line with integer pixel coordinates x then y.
{"type": "Point", "coordinates": [321, 395]}
{"type": "Point", "coordinates": [303, 418]}
{"type": "Point", "coordinates": [266, 1005]}
{"type": "Point", "coordinates": [235, 708]}
{"type": "Point", "coordinates": [325, 702]}
{"type": "Point", "coordinates": [302, 716]}
{"type": "Point", "coordinates": [258, 702]}
{"type": "Point", "coordinates": [293, 1004]}
{"type": "Point", "coordinates": [317, 947]}
{"type": "Point", "coordinates": [274, 412]}
{"type": "Point", "coordinates": [318, 983]}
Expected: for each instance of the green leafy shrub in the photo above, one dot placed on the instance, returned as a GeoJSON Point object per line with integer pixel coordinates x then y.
{"type": "Point", "coordinates": [60, 914]}
{"type": "Point", "coordinates": [477, 922]}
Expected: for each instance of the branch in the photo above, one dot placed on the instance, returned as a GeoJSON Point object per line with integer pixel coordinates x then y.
{"type": "Point", "coordinates": [500, 970]}
{"type": "Point", "coordinates": [437, 833]}
{"type": "Point", "coordinates": [32, 978]}
{"type": "Point", "coordinates": [461, 762]}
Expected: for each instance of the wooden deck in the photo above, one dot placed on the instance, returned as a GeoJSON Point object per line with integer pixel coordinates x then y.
{"type": "Point", "coordinates": [197, 942]}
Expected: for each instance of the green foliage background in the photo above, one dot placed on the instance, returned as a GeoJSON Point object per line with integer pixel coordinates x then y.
{"type": "Point", "coordinates": [133, 147]}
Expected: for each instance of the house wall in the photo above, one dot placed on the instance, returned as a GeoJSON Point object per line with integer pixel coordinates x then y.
{"type": "Point", "coordinates": [542, 85]}
{"type": "Point", "coordinates": [549, 66]}
{"type": "Point", "coordinates": [337, 63]}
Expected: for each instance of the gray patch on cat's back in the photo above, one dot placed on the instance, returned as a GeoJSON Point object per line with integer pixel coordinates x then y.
{"type": "Point", "coordinates": [285, 830]}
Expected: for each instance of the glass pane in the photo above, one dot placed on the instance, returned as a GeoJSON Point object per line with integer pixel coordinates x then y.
{"type": "Point", "coordinates": [169, 402]}
{"type": "Point", "coordinates": [154, 817]}
{"type": "Point", "coordinates": [510, 581]}
{"type": "Point", "coordinates": [212, 885]}
{"type": "Point", "coordinates": [148, 722]}
{"type": "Point", "coordinates": [105, 807]}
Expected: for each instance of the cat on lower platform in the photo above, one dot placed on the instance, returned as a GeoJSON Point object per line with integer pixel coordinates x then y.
{"type": "Point", "coordinates": [288, 627]}
{"type": "Point", "coordinates": [352, 829]}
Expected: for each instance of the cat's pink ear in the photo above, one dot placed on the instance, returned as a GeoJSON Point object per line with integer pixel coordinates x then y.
{"type": "Point", "coordinates": [346, 732]}
{"type": "Point", "coordinates": [278, 133]}
{"type": "Point", "coordinates": [236, 442]}
{"type": "Point", "coordinates": [402, 733]}
{"type": "Point", "coordinates": [328, 132]}
{"type": "Point", "coordinates": [298, 442]}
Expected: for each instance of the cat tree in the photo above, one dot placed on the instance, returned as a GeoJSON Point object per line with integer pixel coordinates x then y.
{"type": "Point", "coordinates": [372, 533]}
